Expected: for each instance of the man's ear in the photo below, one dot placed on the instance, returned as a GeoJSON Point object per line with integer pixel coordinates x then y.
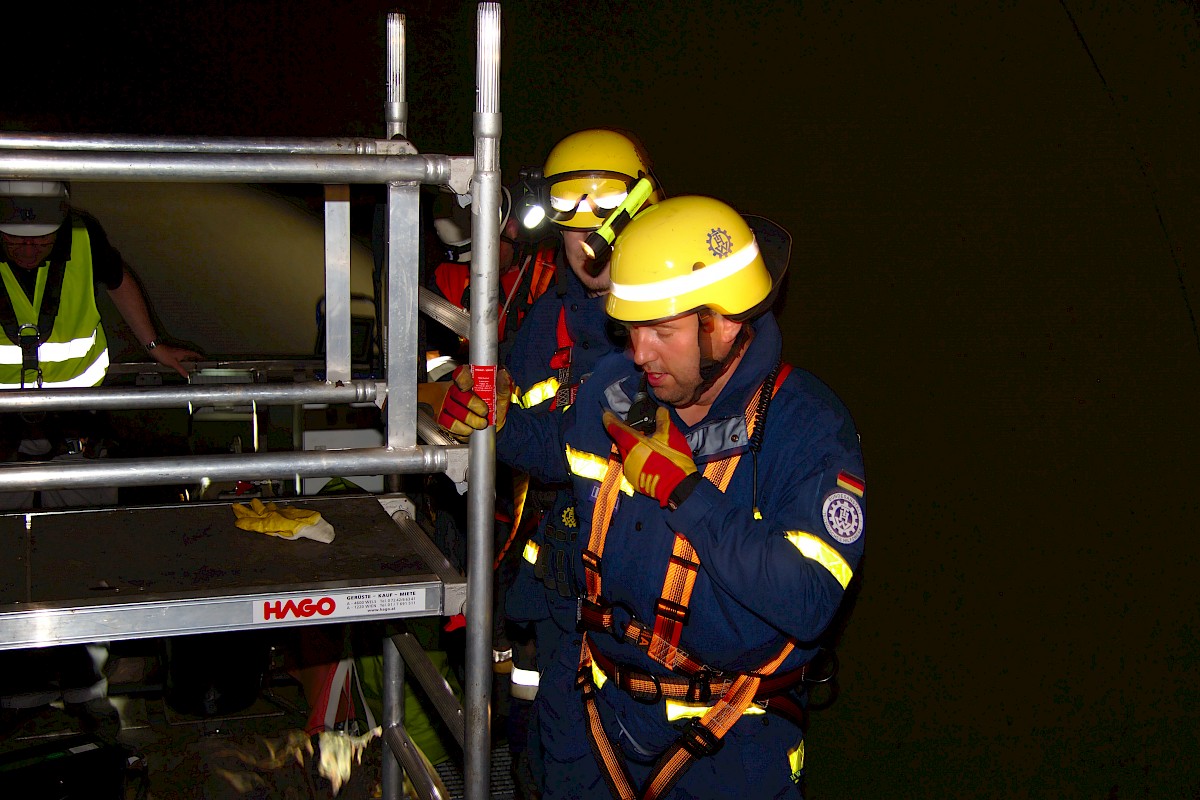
{"type": "Point", "coordinates": [724, 330]}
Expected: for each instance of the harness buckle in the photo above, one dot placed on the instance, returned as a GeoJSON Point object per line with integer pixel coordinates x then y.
{"type": "Point", "coordinates": [583, 682]}
{"type": "Point", "coordinates": [700, 686]}
{"type": "Point", "coordinates": [658, 691]}
{"type": "Point", "coordinates": [698, 740]}
{"type": "Point", "coordinates": [36, 370]}
{"type": "Point", "coordinates": [28, 337]}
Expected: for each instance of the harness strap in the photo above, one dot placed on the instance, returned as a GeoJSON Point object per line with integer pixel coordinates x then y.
{"type": "Point", "coordinates": [613, 768]}
{"type": "Point", "coordinates": [704, 736]}
{"type": "Point", "coordinates": [29, 336]}
{"type": "Point", "coordinates": [699, 688]}
{"type": "Point", "coordinates": [671, 609]}
{"type": "Point", "coordinates": [534, 277]}
{"type": "Point", "coordinates": [701, 737]}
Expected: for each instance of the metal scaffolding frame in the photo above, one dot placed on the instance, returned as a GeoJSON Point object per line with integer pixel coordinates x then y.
{"type": "Point", "coordinates": [335, 163]}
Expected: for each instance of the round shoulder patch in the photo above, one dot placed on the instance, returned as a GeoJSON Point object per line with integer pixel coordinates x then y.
{"type": "Point", "coordinates": [843, 516]}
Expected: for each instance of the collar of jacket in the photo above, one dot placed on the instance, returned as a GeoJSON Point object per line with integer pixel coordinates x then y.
{"type": "Point", "coordinates": [722, 433]}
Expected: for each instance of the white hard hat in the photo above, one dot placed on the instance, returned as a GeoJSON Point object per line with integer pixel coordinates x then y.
{"type": "Point", "coordinates": [32, 208]}
{"type": "Point", "coordinates": [452, 223]}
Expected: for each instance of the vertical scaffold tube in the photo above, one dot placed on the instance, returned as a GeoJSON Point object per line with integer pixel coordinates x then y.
{"type": "Point", "coordinates": [396, 108]}
{"type": "Point", "coordinates": [485, 295]}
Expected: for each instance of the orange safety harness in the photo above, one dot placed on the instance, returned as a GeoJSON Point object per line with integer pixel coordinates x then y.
{"type": "Point", "coordinates": [698, 683]}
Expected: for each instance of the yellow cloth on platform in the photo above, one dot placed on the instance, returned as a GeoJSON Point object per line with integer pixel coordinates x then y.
{"type": "Point", "coordinates": [285, 522]}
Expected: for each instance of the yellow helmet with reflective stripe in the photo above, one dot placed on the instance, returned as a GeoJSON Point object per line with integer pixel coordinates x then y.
{"type": "Point", "coordinates": [683, 254]}
{"type": "Point", "coordinates": [589, 173]}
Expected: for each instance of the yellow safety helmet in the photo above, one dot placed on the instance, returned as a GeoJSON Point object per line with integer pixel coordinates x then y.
{"type": "Point", "coordinates": [588, 174]}
{"type": "Point", "coordinates": [687, 253]}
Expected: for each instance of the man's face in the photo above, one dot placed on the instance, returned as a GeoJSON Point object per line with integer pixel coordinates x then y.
{"type": "Point", "coordinates": [668, 352]}
{"type": "Point", "coordinates": [28, 252]}
{"type": "Point", "coordinates": [581, 261]}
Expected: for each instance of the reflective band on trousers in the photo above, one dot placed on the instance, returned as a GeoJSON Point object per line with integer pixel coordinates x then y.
{"type": "Point", "coordinates": [593, 467]}
{"type": "Point", "coordinates": [539, 393]}
{"type": "Point", "coordinates": [676, 709]}
{"type": "Point", "coordinates": [525, 677]}
{"type": "Point", "coordinates": [813, 548]}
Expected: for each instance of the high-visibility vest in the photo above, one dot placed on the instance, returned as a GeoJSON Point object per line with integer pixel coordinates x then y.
{"type": "Point", "coordinates": [75, 353]}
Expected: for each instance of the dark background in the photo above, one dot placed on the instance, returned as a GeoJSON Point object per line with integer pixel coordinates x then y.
{"type": "Point", "coordinates": [994, 209]}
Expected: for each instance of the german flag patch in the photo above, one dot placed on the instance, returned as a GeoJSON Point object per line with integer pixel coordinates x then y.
{"type": "Point", "coordinates": [851, 483]}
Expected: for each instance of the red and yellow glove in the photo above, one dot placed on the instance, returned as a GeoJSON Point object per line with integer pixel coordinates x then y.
{"type": "Point", "coordinates": [659, 465]}
{"type": "Point", "coordinates": [456, 406]}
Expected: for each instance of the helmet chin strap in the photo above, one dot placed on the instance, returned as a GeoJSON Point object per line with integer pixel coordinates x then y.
{"type": "Point", "coordinates": [711, 369]}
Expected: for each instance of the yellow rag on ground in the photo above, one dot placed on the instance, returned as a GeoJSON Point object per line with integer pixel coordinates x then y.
{"type": "Point", "coordinates": [285, 522]}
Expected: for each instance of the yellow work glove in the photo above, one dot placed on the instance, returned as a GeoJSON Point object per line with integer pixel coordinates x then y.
{"type": "Point", "coordinates": [458, 409]}
{"type": "Point", "coordinates": [285, 522]}
{"type": "Point", "coordinates": [659, 465]}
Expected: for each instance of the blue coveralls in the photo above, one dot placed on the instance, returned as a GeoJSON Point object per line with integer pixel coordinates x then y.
{"type": "Point", "coordinates": [533, 597]}
{"type": "Point", "coordinates": [760, 581]}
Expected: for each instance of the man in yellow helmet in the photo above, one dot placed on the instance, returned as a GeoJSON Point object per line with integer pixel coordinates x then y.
{"type": "Point", "coordinates": [586, 178]}
{"type": "Point", "coordinates": [720, 499]}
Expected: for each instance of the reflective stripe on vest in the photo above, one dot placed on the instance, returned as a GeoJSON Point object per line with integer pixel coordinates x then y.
{"type": "Point", "coordinates": [75, 354]}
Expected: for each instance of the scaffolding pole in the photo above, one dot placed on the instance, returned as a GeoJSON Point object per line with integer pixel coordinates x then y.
{"type": "Point", "coordinates": [481, 470]}
{"type": "Point", "coordinates": [335, 163]}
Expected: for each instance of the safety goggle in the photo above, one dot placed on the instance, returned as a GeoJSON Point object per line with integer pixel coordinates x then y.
{"type": "Point", "coordinates": [598, 192]}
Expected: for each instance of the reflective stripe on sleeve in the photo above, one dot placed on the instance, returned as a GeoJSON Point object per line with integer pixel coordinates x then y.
{"type": "Point", "coordinates": [525, 677]}
{"type": "Point", "coordinates": [539, 393]}
{"type": "Point", "coordinates": [593, 467]}
{"type": "Point", "coordinates": [816, 549]}
{"type": "Point", "coordinates": [530, 553]}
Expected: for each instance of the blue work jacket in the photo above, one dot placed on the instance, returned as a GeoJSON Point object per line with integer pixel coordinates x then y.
{"type": "Point", "coordinates": [537, 341]}
{"type": "Point", "coordinates": [761, 581]}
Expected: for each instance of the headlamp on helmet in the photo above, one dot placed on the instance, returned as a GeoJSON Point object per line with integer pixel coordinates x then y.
{"type": "Point", "coordinates": [529, 199]}
{"type": "Point", "coordinates": [588, 175]}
